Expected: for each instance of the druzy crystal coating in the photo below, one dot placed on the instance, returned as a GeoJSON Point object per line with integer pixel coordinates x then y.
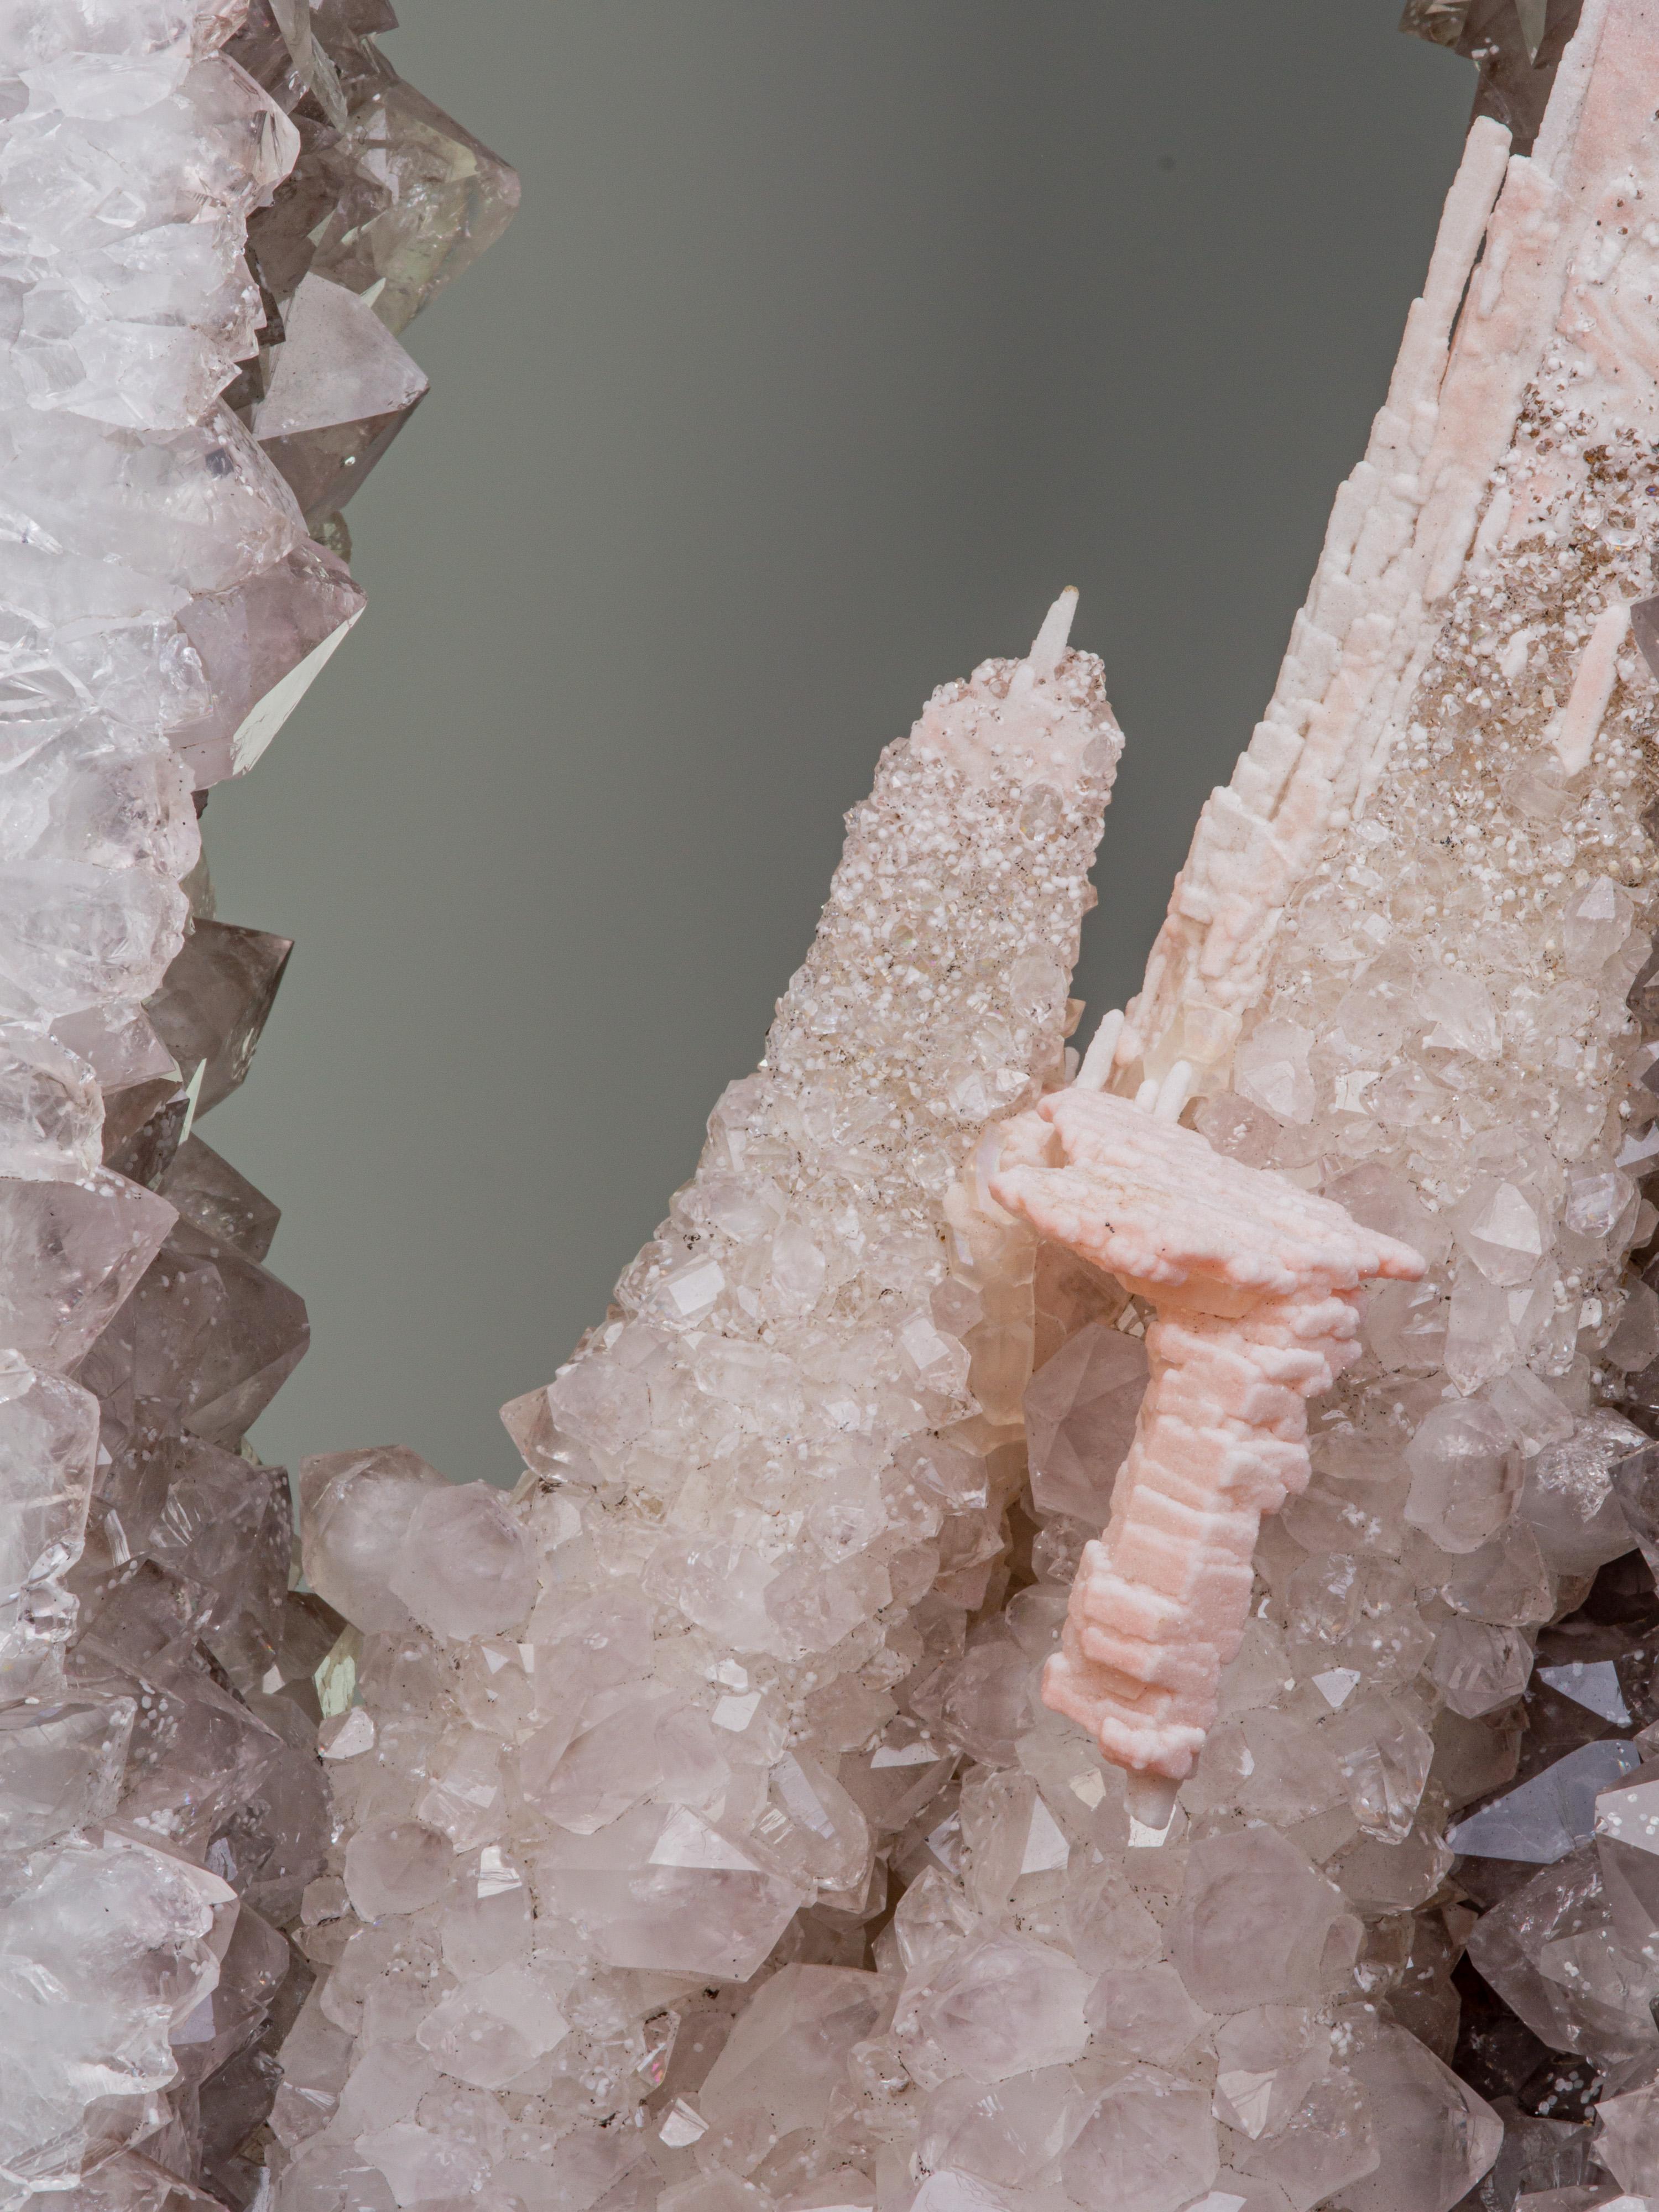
{"type": "Point", "coordinates": [686, 1829]}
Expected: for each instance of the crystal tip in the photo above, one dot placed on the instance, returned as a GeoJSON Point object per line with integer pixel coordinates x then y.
{"type": "Point", "coordinates": [1152, 1802]}
{"type": "Point", "coordinates": [1051, 640]}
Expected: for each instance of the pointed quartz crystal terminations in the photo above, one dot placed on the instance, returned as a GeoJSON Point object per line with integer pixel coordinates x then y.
{"type": "Point", "coordinates": [162, 1808]}
{"type": "Point", "coordinates": [342, 389]}
{"type": "Point", "coordinates": [152, 1822]}
{"type": "Point", "coordinates": [1255, 1284]}
{"type": "Point", "coordinates": [390, 201]}
{"type": "Point", "coordinates": [425, 199]}
{"type": "Point", "coordinates": [394, 206]}
{"type": "Point", "coordinates": [260, 645]}
{"type": "Point", "coordinates": [215, 1001]}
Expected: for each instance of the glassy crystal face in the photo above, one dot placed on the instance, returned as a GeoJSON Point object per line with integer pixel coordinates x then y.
{"type": "Point", "coordinates": [1080, 1415]}
{"type": "Point", "coordinates": [1517, 44]}
{"type": "Point", "coordinates": [261, 646]}
{"type": "Point", "coordinates": [340, 391]}
{"type": "Point", "coordinates": [424, 200]}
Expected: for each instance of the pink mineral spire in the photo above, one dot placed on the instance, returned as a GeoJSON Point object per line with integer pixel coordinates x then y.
{"type": "Point", "coordinates": [1257, 1284]}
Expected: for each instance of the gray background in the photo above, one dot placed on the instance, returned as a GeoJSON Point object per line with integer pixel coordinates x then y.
{"type": "Point", "coordinates": [834, 337]}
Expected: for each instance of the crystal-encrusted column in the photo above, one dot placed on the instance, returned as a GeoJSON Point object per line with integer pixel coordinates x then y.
{"type": "Point", "coordinates": [629, 1737]}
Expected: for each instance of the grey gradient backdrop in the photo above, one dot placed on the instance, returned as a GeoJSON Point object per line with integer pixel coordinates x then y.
{"type": "Point", "coordinates": [833, 337]}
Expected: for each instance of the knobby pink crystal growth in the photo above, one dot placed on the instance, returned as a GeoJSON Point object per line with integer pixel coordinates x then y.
{"type": "Point", "coordinates": [1255, 1284]}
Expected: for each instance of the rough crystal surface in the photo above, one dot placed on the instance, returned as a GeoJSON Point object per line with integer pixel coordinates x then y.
{"type": "Point", "coordinates": [756, 1789]}
{"type": "Point", "coordinates": [699, 1836]}
{"type": "Point", "coordinates": [681, 1639]}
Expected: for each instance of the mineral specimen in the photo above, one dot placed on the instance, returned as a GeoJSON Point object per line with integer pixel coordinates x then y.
{"type": "Point", "coordinates": [699, 1838]}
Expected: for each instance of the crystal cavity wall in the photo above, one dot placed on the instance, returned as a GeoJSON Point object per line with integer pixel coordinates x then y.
{"type": "Point", "coordinates": [703, 1841]}
{"type": "Point", "coordinates": [164, 606]}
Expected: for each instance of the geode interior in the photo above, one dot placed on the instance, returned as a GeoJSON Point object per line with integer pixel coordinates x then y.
{"type": "Point", "coordinates": [686, 1829]}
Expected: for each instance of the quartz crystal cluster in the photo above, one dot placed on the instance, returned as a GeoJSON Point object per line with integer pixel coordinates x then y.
{"type": "Point", "coordinates": [695, 1835]}
{"type": "Point", "coordinates": [163, 604]}
{"type": "Point", "coordinates": [702, 1842]}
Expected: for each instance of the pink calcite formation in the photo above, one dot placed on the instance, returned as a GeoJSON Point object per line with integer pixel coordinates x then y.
{"type": "Point", "coordinates": [1257, 1288]}
{"type": "Point", "coordinates": [1530, 350]}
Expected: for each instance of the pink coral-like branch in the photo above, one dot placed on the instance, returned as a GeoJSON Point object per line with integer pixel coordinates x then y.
{"type": "Point", "coordinates": [1256, 1286]}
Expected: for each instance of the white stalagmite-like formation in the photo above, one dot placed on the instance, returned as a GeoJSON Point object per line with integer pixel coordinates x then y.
{"type": "Point", "coordinates": [1255, 1284]}
{"type": "Point", "coordinates": [631, 1738]}
{"type": "Point", "coordinates": [162, 609]}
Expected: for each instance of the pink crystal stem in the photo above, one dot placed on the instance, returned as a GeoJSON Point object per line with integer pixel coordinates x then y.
{"type": "Point", "coordinates": [1257, 1284]}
